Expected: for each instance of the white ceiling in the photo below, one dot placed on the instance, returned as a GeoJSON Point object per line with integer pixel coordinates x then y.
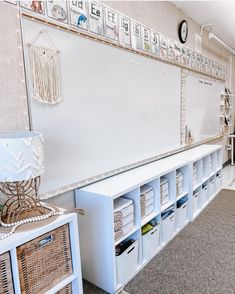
{"type": "Point", "coordinates": [221, 14]}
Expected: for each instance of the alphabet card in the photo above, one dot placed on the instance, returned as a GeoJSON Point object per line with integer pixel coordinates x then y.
{"type": "Point", "coordinates": [111, 24]}
{"type": "Point", "coordinates": [96, 23]}
{"type": "Point", "coordinates": [171, 49]}
{"type": "Point", "coordinates": [184, 55]}
{"type": "Point", "coordinates": [189, 58]}
{"type": "Point", "coordinates": [136, 40]}
{"type": "Point", "coordinates": [178, 52]}
{"type": "Point", "coordinates": [57, 10]}
{"type": "Point", "coordinates": [124, 30]}
{"type": "Point", "coordinates": [79, 14]}
{"type": "Point", "coordinates": [155, 43]}
{"type": "Point", "coordinates": [146, 39]}
{"type": "Point", "coordinates": [163, 46]}
{"type": "Point", "coordinates": [194, 59]}
{"type": "Point", "coordinates": [35, 6]}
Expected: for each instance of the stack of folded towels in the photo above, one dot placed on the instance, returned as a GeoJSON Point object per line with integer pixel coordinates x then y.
{"type": "Point", "coordinates": [164, 190]}
{"type": "Point", "coordinates": [179, 182]}
{"type": "Point", "coordinates": [146, 200]}
{"type": "Point", "coordinates": [123, 215]}
{"type": "Point", "coordinates": [194, 175]}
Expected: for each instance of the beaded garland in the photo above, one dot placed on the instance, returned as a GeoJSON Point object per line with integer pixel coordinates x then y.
{"type": "Point", "coordinates": [15, 225]}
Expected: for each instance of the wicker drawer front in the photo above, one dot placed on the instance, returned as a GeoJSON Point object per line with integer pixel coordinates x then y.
{"type": "Point", "coordinates": [66, 290]}
{"type": "Point", "coordinates": [45, 261]}
{"type": "Point", "coordinates": [6, 282]}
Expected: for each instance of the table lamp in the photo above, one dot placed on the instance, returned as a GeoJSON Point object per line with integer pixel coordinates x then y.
{"type": "Point", "coordinates": [21, 165]}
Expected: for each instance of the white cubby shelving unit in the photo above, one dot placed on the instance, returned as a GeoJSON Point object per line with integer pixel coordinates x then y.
{"type": "Point", "coordinates": [100, 265]}
{"type": "Point", "coordinates": [11, 244]}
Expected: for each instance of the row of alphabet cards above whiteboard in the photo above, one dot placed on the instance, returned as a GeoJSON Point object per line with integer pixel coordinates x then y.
{"type": "Point", "coordinates": [101, 20]}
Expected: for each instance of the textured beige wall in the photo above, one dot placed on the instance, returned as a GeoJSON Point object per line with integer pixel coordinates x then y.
{"type": "Point", "coordinates": [13, 101]}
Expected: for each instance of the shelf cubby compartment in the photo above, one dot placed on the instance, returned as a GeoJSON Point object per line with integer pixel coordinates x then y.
{"type": "Point", "coordinates": [197, 174]}
{"type": "Point", "coordinates": [149, 201]}
{"type": "Point", "coordinates": [219, 159]}
{"type": "Point", "coordinates": [182, 182]}
{"type": "Point", "coordinates": [182, 213]}
{"type": "Point", "coordinates": [205, 193]}
{"type": "Point", "coordinates": [126, 215]}
{"type": "Point", "coordinates": [196, 202]}
{"type": "Point", "coordinates": [206, 163]}
{"type": "Point", "coordinates": [128, 262]}
{"type": "Point", "coordinates": [213, 157]}
{"type": "Point", "coordinates": [151, 241]}
{"type": "Point", "coordinates": [168, 194]}
{"type": "Point", "coordinates": [167, 225]}
{"type": "Point", "coordinates": [212, 187]}
{"type": "Point", "coordinates": [218, 180]}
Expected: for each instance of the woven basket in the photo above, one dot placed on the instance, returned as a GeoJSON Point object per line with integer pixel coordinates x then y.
{"type": "Point", "coordinates": [6, 282]}
{"type": "Point", "coordinates": [45, 261]}
{"type": "Point", "coordinates": [66, 290]}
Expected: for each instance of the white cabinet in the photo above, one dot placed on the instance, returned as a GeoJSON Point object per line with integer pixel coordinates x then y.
{"type": "Point", "coordinates": [100, 264]}
{"type": "Point", "coordinates": [49, 254]}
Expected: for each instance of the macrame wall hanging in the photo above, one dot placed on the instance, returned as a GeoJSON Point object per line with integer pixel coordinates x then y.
{"type": "Point", "coordinates": [45, 71]}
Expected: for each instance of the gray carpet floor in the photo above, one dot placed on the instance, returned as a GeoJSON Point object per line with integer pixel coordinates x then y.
{"type": "Point", "coordinates": [199, 260]}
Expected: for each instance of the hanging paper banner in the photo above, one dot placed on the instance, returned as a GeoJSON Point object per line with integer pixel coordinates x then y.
{"type": "Point", "coordinates": [35, 6]}
{"type": "Point", "coordinates": [111, 24]}
{"type": "Point", "coordinates": [136, 40]}
{"type": "Point", "coordinates": [57, 10]}
{"type": "Point", "coordinates": [163, 46]}
{"type": "Point", "coordinates": [96, 24]}
{"type": "Point", "coordinates": [124, 30]}
{"type": "Point", "coordinates": [79, 14]}
{"type": "Point", "coordinates": [146, 39]}
{"type": "Point", "coordinates": [155, 43]}
{"type": "Point", "coordinates": [171, 50]}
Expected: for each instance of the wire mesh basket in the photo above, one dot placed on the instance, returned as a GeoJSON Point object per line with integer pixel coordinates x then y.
{"type": "Point", "coordinates": [6, 282]}
{"type": "Point", "coordinates": [45, 261]}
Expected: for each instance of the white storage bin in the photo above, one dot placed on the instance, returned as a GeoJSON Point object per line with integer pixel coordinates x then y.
{"type": "Point", "coordinates": [168, 227]}
{"type": "Point", "coordinates": [127, 263]}
{"type": "Point", "coordinates": [196, 196]}
{"type": "Point", "coordinates": [181, 215]}
{"type": "Point", "coordinates": [150, 242]}
{"type": "Point", "coordinates": [218, 182]}
{"type": "Point", "coordinates": [205, 197]}
{"type": "Point", "coordinates": [212, 187]}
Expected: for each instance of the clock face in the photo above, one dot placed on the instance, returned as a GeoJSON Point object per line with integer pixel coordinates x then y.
{"type": "Point", "coordinates": [183, 31]}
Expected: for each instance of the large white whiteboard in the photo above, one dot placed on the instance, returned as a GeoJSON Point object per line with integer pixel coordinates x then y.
{"type": "Point", "coordinates": [202, 106]}
{"type": "Point", "coordinates": [119, 108]}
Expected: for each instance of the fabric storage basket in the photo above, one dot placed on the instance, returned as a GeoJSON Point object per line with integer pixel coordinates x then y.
{"type": "Point", "coordinates": [6, 282]}
{"type": "Point", "coordinates": [45, 261]}
{"type": "Point", "coordinates": [168, 227]}
{"type": "Point", "coordinates": [66, 290]}
{"type": "Point", "coordinates": [181, 215]}
{"type": "Point", "coordinates": [127, 263]}
{"type": "Point", "coordinates": [150, 242]}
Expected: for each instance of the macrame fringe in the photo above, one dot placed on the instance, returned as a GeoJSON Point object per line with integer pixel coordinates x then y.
{"type": "Point", "coordinates": [45, 74]}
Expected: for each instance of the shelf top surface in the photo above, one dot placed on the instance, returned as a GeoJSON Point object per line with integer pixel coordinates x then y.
{"type": "Point", "coordinates": [122, 183]}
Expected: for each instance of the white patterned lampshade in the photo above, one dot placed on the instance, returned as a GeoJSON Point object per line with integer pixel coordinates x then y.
{"type": "Point", "coordinates": [21, 156]}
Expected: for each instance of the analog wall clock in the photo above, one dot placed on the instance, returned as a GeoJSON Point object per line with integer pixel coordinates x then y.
{"type": "Point", "coordinates": [183, 31]}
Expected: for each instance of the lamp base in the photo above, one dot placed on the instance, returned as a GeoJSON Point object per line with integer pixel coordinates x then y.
{"type": "Point", "coordinates": [22, 201]}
